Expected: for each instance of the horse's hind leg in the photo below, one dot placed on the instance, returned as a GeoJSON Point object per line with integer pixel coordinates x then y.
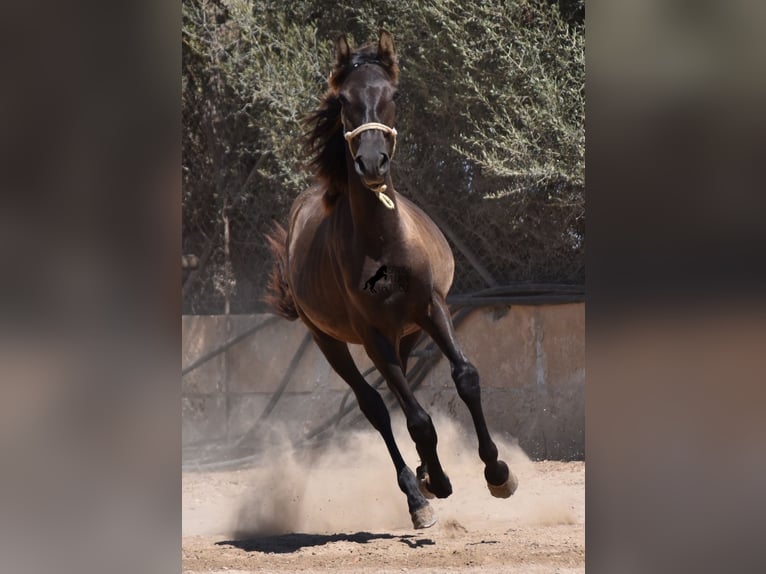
{"type": "Point", "coordinates": [384, 355]}
{"type": "Point", "coordinates": [438, 324]}
{"type": "Point", "coordinates": [406, 345]}
{"type": "Point", "coordinates": [373, 407]}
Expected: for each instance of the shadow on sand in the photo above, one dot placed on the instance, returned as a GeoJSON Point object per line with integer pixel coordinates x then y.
{"type": "Point", "coordinates": [286, 543]}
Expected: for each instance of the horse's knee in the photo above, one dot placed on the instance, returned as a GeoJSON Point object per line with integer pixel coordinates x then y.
{"type": "Point", "coordinates": [466, 379]}
{"type": "Point", "coordinates": [421, 428]}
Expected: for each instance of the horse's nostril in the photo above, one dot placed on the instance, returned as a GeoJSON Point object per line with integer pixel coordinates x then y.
{"type": "Point", "coordinates": [359, 163]}
{"type": "Point", "coordinates": [383, 160]}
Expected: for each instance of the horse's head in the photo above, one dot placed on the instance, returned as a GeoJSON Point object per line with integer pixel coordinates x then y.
{"type": "Point", "coordinates": [365, 81]}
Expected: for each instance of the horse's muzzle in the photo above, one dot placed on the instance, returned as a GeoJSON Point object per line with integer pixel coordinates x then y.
{"type": "Point", "coordinates": [372, 167]}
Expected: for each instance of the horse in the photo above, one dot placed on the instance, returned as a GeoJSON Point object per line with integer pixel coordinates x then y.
{"type": "Point", "coordinates": [344, 229]}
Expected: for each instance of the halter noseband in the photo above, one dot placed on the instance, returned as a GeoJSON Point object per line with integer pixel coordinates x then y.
{"type": "Point", "coordinates": [384, 199]}
{"type": "Point", "coordinates": [371, 126]}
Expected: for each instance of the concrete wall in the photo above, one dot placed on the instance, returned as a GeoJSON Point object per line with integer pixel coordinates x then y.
{"type": "Point", "coordinates": [531, 360]}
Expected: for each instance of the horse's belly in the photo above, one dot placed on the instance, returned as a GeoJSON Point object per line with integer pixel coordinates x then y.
{"type": "Point", "coordinates": [331, 314]}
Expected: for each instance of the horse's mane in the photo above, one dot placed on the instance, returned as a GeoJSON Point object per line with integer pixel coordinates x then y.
{"type": "Point", "coordinates": [323, 140]}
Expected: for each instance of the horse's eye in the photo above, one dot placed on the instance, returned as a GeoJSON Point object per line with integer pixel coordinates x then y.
{"type": "Point", "coordinates": [395, 96]}
{"type": "Point", "coordinates": [343, 100]}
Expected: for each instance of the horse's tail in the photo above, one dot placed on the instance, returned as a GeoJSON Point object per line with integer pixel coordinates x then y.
{"type": "Point", "coordinates": [278, 291]}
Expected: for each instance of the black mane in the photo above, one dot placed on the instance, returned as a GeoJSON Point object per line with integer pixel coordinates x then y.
{"type": "Point", "coordinates": [326, 147]}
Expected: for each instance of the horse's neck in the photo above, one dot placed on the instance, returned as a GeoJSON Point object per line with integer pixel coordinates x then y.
{"type": "Point", "coordinates": [372, 219]}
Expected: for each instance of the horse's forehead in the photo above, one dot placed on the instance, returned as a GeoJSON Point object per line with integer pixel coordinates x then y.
{"type": "Point", "coordinates": [368, 81]}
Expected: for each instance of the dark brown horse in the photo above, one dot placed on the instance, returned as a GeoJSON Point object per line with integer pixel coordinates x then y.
{"type": "Point", "coordinates": [340, 234]}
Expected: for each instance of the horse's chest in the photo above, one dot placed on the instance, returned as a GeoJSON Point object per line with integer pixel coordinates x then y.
{"type": "Point", "coordinates": [382, 279]}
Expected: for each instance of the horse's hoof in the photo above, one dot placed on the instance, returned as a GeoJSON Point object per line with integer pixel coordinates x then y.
{"type": "Point", "coordinates": [423, 486]}
{"type": "Point", "coordinates": [423, 517]}
{"type": "Point", "coordinates": [438, 489]}
{"type": "Point", "coordinates": [506, 489]}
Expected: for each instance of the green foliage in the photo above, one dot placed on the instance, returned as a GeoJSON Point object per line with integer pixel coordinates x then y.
{"type": "Point", "coordinates": [491, 124]}
{"type": "Point", "coordinates": [260, 73]}
{"type": "Point", "coordinates": [524, 96]}
{"type": "Point", "coordinates": [249, 74]}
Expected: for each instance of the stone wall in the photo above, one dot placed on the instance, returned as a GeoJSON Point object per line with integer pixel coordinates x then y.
{"type": "Point", "coordinates": [531, 360]}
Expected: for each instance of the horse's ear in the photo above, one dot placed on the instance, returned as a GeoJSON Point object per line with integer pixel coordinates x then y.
{"type": "Point", "coordinates": [342, 52]}
{"type": "Point", "coordinates": [387, 53]}
{"type": "Point", "coordinates": [342, 59]}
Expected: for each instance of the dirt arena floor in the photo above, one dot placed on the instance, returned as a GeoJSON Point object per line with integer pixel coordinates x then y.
{"type": "Point", "coordinates": [340, 510]}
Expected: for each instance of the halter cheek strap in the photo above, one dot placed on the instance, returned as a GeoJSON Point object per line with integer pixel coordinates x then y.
{"type": "Point", "coordinates": [384, 199]}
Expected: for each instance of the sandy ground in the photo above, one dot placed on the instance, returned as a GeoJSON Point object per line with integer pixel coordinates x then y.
{"type": "Point", "coordinates": [342, 511]}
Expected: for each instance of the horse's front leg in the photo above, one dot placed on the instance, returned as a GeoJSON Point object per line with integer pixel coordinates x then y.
{"type": "Point", "coordinates": [384, 356]}
{"type": "Point", "coordinates": [372, 406]}
{"type": "Point", "coordinates": [438, 324]}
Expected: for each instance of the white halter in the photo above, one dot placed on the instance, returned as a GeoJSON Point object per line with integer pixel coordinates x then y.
{"type": "Point", "coordinates": [384, 199]}
{"type": "Point", "coordinates": [371, 126]}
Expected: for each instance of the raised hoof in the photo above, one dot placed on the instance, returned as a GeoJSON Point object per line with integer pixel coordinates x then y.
{"type": "Point", "coordinates": [429, 488]}
{"type": "Point", "coordinates": [423, 517]}
{"type": "Point", "coordinates": [423, 486]}
{"type": "Point", "coordinates": [506, 489]}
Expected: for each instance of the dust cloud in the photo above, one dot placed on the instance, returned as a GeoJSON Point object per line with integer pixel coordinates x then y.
{"type": "Point", "coordinates": [349, 485]}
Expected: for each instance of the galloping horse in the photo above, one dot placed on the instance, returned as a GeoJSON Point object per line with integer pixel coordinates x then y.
{"type": "Point", "coordinates": [341, 233]}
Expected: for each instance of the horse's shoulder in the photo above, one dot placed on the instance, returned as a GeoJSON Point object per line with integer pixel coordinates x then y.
{"type": "Point", "coordinates": [417, 219]}
{"type": "Point", "coordinates": [309, 195]}
{"type": "Point", "coordinates": [307, 204]}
